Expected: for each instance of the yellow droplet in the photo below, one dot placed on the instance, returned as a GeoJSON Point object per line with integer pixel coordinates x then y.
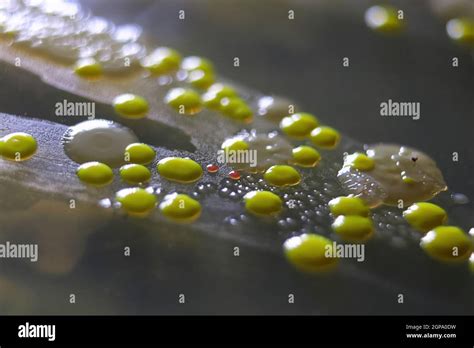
{"type": "Point", "coordinates": [298, 125]}
{"type": "Point", "coordinates": [282, 175]}
{"type": "Point", "coordinates": [447, 243]}
{"type": "Point", "coordinates": [139, 153]}
{"type": "Point", "coordinates": [135, 173]}
{"type": "Point", "coordinates": [353, 228]}
{"type": "Point", "coordinates": [18, 146]}
{"type": "Point", "coordinates": [383, 19]}
{"type": "Point", "coordinates": [236, 108]}
{"type": "Point", "coordinates": [306, 156]}
{"type": "Point", "coordinates": [311, 253]}
{"type": "Point", "coordinates": [162, 61]}
{"type": "Point", "coordinates": [88, 68]}
{"type": "Point", "coordinates": [197, 63]}
{"type": "Point", "coordinates": [263, 203]}
{"type": "Point", "coordinates": [180, 207]}
{"type": "Point", "coordinates": [200, 79]}
{"type": "Point", "coordinates": [234, 144]}
{"type": "Point", "coordinates": [359, 161]}
{"type": "Point", "coordinates": [184, 101]}
{"type": "Point", "coordinates": [131, 106]}
{"type": "Point", "coordinates": [325, 137]}
{"type": "Point", "coordinates": [183, 170]}
{"type": "Point", "coordinates": [425, 216]}
{"type": "Point", "coordinates": [461, 30]}
{"type": "Point", "coordinates": [136, 201]}
{"type": "Point", "coordinates": [95, 173]}
{"type": "Point", "coordinates": [408, 180]}
{"type": "Point", "coordinates": [212, 98]}
{"type": "Point", "coordinates": [348, 206]}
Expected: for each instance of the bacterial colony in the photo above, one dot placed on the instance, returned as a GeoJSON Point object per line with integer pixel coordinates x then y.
{"type": "Point", "coordinates": [295, 184]}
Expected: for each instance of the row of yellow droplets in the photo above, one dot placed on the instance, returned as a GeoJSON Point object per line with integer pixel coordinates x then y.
{"type": "Point", "coordinates": [200, 74]}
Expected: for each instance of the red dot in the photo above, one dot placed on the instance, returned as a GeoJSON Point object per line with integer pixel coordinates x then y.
{"type": "Point", "coordinates": [212, 168]}
{"type": "Point", "coordinates": [235, 175]}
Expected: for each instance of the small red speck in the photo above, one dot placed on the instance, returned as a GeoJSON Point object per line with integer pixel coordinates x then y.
{"type": "Point", "coordinates": [212, 168]}
{"type": "Point", "coordinates": [235, 175]}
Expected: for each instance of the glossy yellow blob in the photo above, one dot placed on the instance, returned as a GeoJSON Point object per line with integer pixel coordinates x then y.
{"type": "Point", "coordinates": [184, 101]}
{"type": "Point", "coordinates": [408, 180]}
{"type": "Point", "coordinates": [348, 206]}
{"type": "Point", "coordinates": [180, 207]}
{"type": "Point", "coordinates": [282, 175]}
{"type": "Point", "coordinates": [197, 63]}
{"type": "Point", "coordinates": [183, 170]}
{"type": "Point", "coordinates": [131, 106]}
{"type": "Point", "coordinates": [305, 156]}
{"type": "Point", "coordinates": [88, 68]}
{"type": "Point", "coordinates": [18, 146]}
{"type": "Point", "coordinates": [135, 173]}
{"type": "Point", "coordinates": [212, 98]}
{"type": "Point", "coordinates": [200, 79]}
{"type": "Point", "coordinates": [359, 161]}
{"type": "Point", "coordinates": [461, 30]}
{"type": "Point", "coordinates": [425, 216]}
{"type": "Point", "coordinates": [447, 243]}
{"type": "Point", "coordinates": [471, 262]}
{"type": "Point", "coordinates": [95, 173]}
{"type": "Point", "coordinates": [139, 153]}
{"type": "Point", "coordinates": [263, 203]}
{"type": "Point", "coordinates": [236, 108]}
{"type": "Point", "coordinates": [311, 253]}
{"type": "Point", "coordinates": [136, 201]}
{"type": "Point", "coordinates": [325, 137]}
{"type": "Point", "coordinates": [383, 19]}
{"type": "Point", "coordinates": [162, 61]}
{"type": "Point", "coordinates": [234, 144]}
{"type": "Point", "coordinates": [353, 228]}
{"type": "Point", "coordinates": [299, 125]}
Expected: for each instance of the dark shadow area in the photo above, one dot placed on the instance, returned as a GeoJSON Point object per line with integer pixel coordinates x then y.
{"type": "Point", "coordinates": [26, 95]}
